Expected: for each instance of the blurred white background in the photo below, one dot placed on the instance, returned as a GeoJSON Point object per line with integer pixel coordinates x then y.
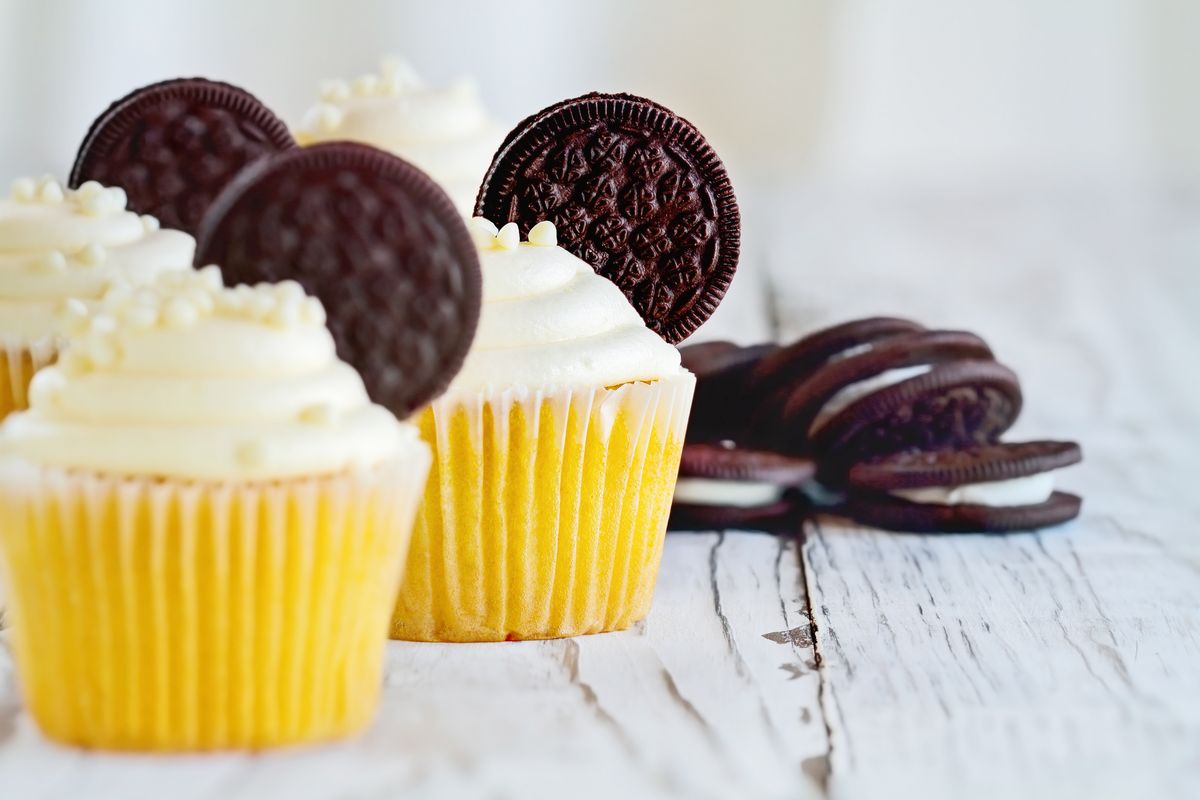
{"type": "Point", "coordinates": [920, 157]}
{"type": "Point", "coordinates": [919, 90]}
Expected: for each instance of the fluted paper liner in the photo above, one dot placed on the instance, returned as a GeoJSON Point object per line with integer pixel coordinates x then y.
{"type": "Point", "coordinates": [170, 615]}
{"type": "Point", "coordinates": [21, 359]}
{"type": "Point", "coordinates": [545, 512]}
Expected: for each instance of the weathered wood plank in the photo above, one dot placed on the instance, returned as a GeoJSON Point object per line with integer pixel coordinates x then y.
{"type": "Point", "coordinates": [1052, 664]}
{"type": "Point", "coordinates": [1059, 664]}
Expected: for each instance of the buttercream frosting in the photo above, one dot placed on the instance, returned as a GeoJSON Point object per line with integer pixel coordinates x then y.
{"type": "Point", "coordinates": [549, 320]}
{"type": "Point", "coordinates": [446, 132]}
{"type": "Point", "coordinates": [187, 379]}
{"type": "Point", "coordinates": [1024, 491]}
{"type": "Point", "coordinates": [58, 243]}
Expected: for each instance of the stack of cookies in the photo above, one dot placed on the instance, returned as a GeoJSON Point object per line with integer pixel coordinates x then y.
{"type": "Point", "coordinates": [894, 425]}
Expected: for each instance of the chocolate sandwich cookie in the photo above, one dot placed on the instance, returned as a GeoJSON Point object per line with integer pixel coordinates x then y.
{"type": "Point", "coordinates": [786, 366]}
{"type": "Point", "coordinates": [722, 371]}
{"type": "Point", "coordinates": [173, 146]}
{"type": "Point", "coordinates": [808, 404]}
{"type": "Point", "coordinates": [723, 486]}
{"type": "Point", "coordinates": [955, 404]}
{"type": "Point", "coordinates": [714, 359]}
{"type": "Point", "coordinates": [851, 396]}
{"type": "Point", "coordinates": [377, 241]}
{"type": "Point", "coordinates": [988, 488]}
{"type": "Point", "coordinates": [635, 191]}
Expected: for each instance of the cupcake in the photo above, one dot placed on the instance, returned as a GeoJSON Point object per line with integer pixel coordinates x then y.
{"type": "Point", "coordinates": [446, 132]}
{"type": "Point", "coordinates": [557, 447]}
{"type": "Point", "coordinates": [58, 244]}
{"type": "Point", "coordinates": [204, 519]}
{"type": "Point", "coordinates": [556, 450]}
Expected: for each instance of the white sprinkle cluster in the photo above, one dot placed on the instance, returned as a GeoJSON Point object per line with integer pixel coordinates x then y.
{"type": "Point", "coordinates": [177, 300]}
{"type": "Point", "coordinates": [395, 77]}
{"type": "Point", "coordinates": [488, 237]}
{"type": "Point", "coordinates": [90, 199]}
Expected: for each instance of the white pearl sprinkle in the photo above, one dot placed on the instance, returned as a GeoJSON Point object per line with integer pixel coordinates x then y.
{"type": "Point", "coordinates": [483, 231]}
{"type": "Point", "coordinates": [543, 234]}
{"type": "Point", "coordinates": [365, 85]}
{"type": "Point", "coordinates": [285, 314]}
{"type": "Point", "coordinates": [92, 255]}
{"type": "Point", "coordinates": [53, 261]}
{"type": "Point", "coordinates": [73, 362]}
{"type": "Point", "coordinates": [75, 317]}
{"type": "Point", "coordinates": [50, 192]}
{"type": "Point", "coordinates": [260, 305]}
{"type": "Point", "coordinates": [88, 189]}
{"type": "Point", "coordinates": [323, 118]}
{"type": "Point", "coordinates": [117, 199]}
{"type": "Point", "coordinates": [509, 237]}
{"type": "Point", "coordinates": [43, 393]}
{"type": "Point", "coordinates": [100, 350]}
{"type": "Point", "coordinates": [180, 313]}
{"type": "Point", "coordinates": [24, 190]}
{"type": "Point", "coordinates": [105, 201]}
{"type": "Point", "coordinates": [333, 90]}
{"type": "Point", "coordinates": [211, 277]}
{"type": "Point", "coordinates": [312, 312]}
{"type": "Point", "coordinates": [150, 224]}
{"type": "Point", "coordinates": [102, 324]}
{"type": "Point", "coordinates": [289, 291]}
{"type": "Point", "coordinates": [201, 298]}
{"type": "Point", "coordinates": [118, 297]}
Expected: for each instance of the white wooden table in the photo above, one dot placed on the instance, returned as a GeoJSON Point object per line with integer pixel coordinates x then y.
{"type": "Point", "coordinates": [847, 662]}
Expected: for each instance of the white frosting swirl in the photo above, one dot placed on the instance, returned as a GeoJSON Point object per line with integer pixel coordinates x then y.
{"type": "Point", "coordinates": [57, 244]}
{"type": "Point", "coordinates": [549, 320]}
{"type": "Point", "coordinates": [187, 379]}
{"type": "Point", "coordinates": [446, 132]}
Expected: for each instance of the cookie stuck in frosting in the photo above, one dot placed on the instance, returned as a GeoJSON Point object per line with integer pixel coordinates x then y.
{"type": "Point", "coordinates": [549, 320]}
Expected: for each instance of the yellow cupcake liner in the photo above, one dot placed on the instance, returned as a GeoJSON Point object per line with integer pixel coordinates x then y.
{"type": "Point", "coordinates": [545, 512]}
{"type": "Point", "coordinates": [19, 361]}
{"type": "Point", "coordinates": [171, 615]}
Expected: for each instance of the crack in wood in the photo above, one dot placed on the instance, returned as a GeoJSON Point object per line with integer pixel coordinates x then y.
{"type": "Point", "coordinates": [739, 663]}
{"type": "Point", "coordinates": [570, 662]}
{"type": "Point", "coordinates": [818, 768]}
{"type": "Point", "coordinates": [692, 712]}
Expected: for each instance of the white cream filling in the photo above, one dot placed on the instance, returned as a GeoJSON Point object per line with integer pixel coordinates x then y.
{"type": "Point", "coordinates": [856, 391]}
{"type": "Point", "coordinates": [1027, 491]}
{"type": "Point", "coordinates": [740, 494]}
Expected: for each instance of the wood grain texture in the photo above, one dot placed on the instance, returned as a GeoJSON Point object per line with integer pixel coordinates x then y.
{"type": "Point", "coordinates": [1030, 665]}
{"type": "Point", "coordinates": [1057, 664]}
{"type": "Point", "coordinates": [1064, 663]}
